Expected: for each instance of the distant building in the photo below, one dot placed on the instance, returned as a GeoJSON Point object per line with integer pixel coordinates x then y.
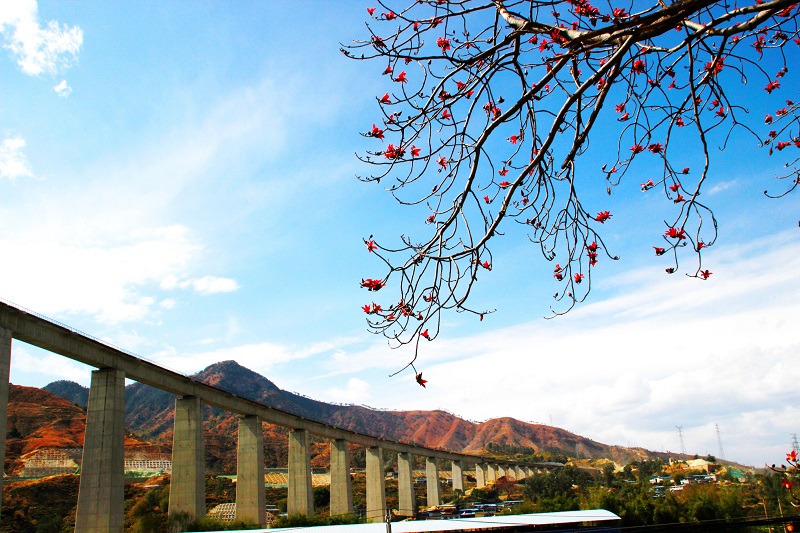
{"type": "Point", "coordinates": [227, 512]}
{"type": "Point", "coordinates": [50, 462]}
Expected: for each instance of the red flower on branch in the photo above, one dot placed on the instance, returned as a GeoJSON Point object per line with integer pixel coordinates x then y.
{"type": "Point", "coordinates": [446, 114]}
{"type": "Point", "coordinates": [637, 148]}
{"type": "Point", "coordinates": [425, 334]}
{"type": "Point", "coordinates": [402, 78]}
{"type": "Point", "coordinates": [373, 285]}
{"type": "Point", "coordinates": [578, 278]}
{"type": "Point", "coordinates": [443, 43]}
{"type": "Point", "coordinates": [421, 381]}
{"type": "Point", "coordinates": [504, 184]}
{"type": "Point", "coordinates": [602, 216]}
{"type": "Point", "coordinates": [638, 67]}
{"type": "Point", "coordinates": [370, 10]}
{"type": "Point", "coordinates": [371, 246]}
{"type": "Point", "coordinates": [503, 171]}
{"type": "Point", "coordinates": [557, 272]}
{"type": "Point", "coordinates": [385, 99]}
{"type": "Point", "coordinates": [715, 67]}
{"type": "Point", "coordinates": [414, 151]}
{"type": "Point", "coordinates": [771, 86]}
{"type": "Point", "coordinates": [674, 233]}
{"type": "Point", "coordinates": [705, 274]}
{"type": "Point", "coordinates": [659, 251]}
{"type": "Point", "coordinates": [760, 43]}
{"type": "Point", "coordinates": [393, 152]}
{"type": "Point", "coordinates": [376, 132]}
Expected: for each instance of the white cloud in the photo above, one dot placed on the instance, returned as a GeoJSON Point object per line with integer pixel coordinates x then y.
{"type": "Point", "coordinates": [205, 285]}
{"type": "Point", "coordinates": [108, 280]}
{"type": "Point", "coordinates": [38, 49]}
{"type": "Point", "coordinates": [100, 237]}
{"type": "Point", "coordinates": [45, 366]}
{"type": "Point", "coordinates": [722, 186]}
{"type": "Point", "coordinates": [210, 285]}
{"type": "Point", "coordinates": [63, 89]}
{"type": "Point", "coordinates": [357, 391]}
{"type": "Point", "coordinates": [260, 357]}
{"type": "Point", "coordinates": [13, 163]}
{"type": "Point", "coordinates": [669, 351]}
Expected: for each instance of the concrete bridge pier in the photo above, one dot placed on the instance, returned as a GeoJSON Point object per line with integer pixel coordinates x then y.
{"type": "Point", "coordinates": [5, 368]}
{"type": "Point", "coordinates": [187, 487]}
{"type": "Point", "coordinates": [341, 484]}
{"type": "Point", "coordinates": [301, 494]}
{"type": "Point", "coordinates": [250, 492]}
{"type": "Point", "coordinates": [432, 477]}
{"type": "Point", "coordinates": [406, 504]}
{"type": "Point", "coordinates": [491, 473]}
{"type": "Point", "coordinates": [376, 489]}
{"type": "Point", "coordinates": [520, 473]}
{"type": "Point", "coordinates": [458, 476]}
{"type": "Point", "coordinates": [101, 498]}
{"type": "Point", "coordinates": [501, 471]}
{"type": "Point", "coordinates": [480, 475]}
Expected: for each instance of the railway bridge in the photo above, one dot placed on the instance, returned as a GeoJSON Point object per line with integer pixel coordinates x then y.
{"type": "Point", "coordinates": [101, 498]}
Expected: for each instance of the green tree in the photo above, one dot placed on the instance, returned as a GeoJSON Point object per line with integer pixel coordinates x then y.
{"type": "Point", "coordinates": [561, 482]}
{"type": "Point", "coordinates": [608, 474]}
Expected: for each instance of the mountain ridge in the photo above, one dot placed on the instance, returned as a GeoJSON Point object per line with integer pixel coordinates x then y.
{"type": "Point", "coordinates": [149, 413]}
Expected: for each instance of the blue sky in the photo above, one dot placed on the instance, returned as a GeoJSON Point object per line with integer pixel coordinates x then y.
{"type": "Point", "coordinates": [179, 179]}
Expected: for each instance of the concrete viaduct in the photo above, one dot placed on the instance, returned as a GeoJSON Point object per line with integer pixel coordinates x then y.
{"type": "Point", "coordinates": [101, 498]}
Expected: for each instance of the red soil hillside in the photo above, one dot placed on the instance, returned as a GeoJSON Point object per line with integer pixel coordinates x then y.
{"type": "Point", "coordinates": [40, 419]}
